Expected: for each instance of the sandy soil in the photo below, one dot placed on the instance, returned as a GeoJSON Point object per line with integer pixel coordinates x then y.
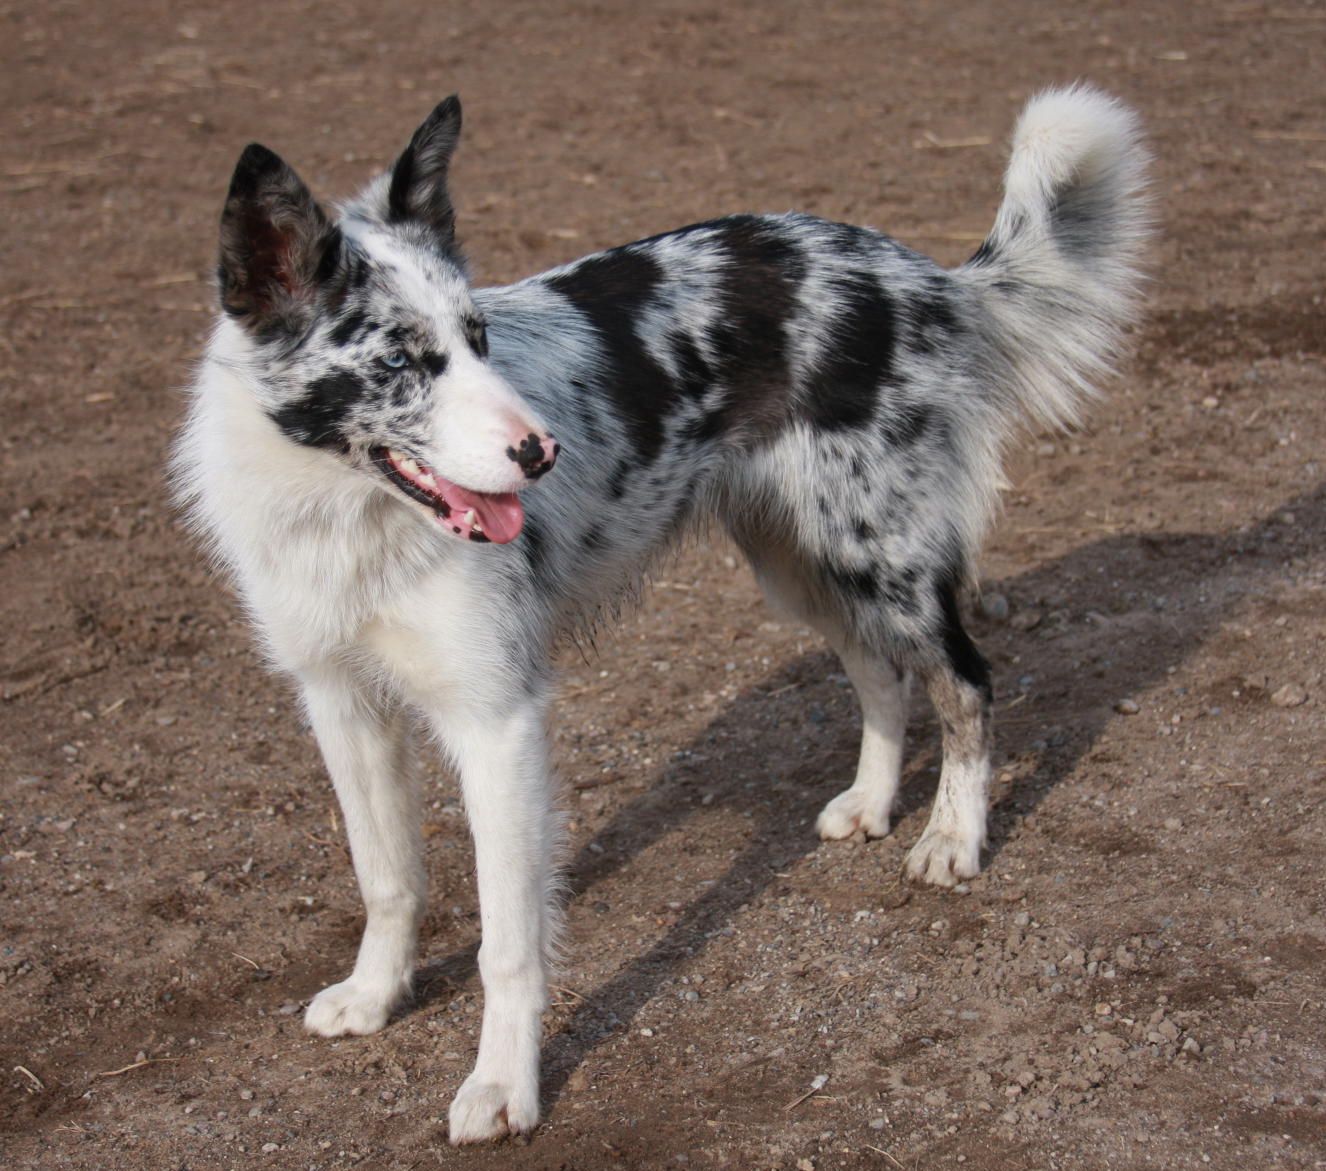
{"type": "Point", "coordinates": [1137, 979]}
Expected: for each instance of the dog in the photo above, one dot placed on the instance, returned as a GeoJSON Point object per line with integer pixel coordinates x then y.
{"type": "Point", "coordinates": [419, 487]}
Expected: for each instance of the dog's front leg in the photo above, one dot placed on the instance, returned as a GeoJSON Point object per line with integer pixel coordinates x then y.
{"type": "Point", "coordinates": [503, 764]}
{"type": "Point", "coordinates": [365, 742]}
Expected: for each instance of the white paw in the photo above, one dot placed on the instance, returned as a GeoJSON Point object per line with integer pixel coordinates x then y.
{"type": "Point", "coordinates": [351, 1007]}
{"type": "Point", "coordinates": [851, 810]}
{"type": "Point", "coordinates": [944, 857]}
{"type": "Point", "coordinates": [490, 1109]}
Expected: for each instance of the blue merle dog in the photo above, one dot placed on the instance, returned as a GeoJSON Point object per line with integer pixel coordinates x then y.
{"type": "Point", "coordinates": [366, 433]}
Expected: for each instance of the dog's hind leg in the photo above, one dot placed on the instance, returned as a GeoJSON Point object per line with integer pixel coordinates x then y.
{"type": "Point", "coordinates": [366, 744]}
{"type": "Point", "coordinates": [958, 683]}
{"type": "Point", "coordinates": [882, 689]}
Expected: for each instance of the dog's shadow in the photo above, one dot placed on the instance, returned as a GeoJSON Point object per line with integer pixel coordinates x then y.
{"type": "Point", "coordinates": [1065, 698]}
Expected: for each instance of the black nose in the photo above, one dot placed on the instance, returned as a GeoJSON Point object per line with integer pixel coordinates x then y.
{"type": "Point", "coordinates": [535, 455]}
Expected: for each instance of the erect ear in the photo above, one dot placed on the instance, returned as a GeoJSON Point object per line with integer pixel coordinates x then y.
{"type": "Point", "coordinates": [277, 246]}
{"type": "Point", "coordinates": [419, 179]}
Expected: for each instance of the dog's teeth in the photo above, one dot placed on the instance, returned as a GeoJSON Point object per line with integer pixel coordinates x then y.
{"type": "Point", "coordinates": [426, 479]}
{"type": "Point", "coordinates": [471, 519]}
{"type": "Point", "coordinates": [408, 465]}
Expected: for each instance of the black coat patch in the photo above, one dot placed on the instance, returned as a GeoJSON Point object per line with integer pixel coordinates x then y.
{"type": "Point", "coordinates": [348, 329]}
{"type": "Point", "coordinates": [612, 289]}
{"type": "Point", "coordinates": [758, 295]}
{"type": "Point", "coordinates": [932, 318]}
{"type": "Point", "coordinates": [963, 658]}
{"type": "Point", "coordinates": [842, 391]}
{"type": "Point", "coordinates": [317, 418]}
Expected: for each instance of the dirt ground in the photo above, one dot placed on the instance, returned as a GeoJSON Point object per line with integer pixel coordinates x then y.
{"type": "Point", "coordinates": [1137, 979]}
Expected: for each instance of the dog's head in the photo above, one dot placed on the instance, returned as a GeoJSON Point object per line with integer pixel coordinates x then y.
{"type": "Point", "coordinates": [366, 342]}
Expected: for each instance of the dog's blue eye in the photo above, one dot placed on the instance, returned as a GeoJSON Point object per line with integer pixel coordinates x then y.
{"type": "Point", "coordinates": [396, 360]}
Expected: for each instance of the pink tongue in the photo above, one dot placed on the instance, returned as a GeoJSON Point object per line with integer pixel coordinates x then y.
{"type": "Point", "coordinates": [500, 514]}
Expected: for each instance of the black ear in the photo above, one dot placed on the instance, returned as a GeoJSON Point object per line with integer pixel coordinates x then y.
{"type": "Point", "coordinates": [419, 179]}
{"type": "Point", "coordinates": [277, 246]}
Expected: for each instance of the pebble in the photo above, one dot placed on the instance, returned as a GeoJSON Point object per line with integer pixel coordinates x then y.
{"type": "Point", "coordinates": [268, 1148]}
{"type": "Point", "coordinates": [1290, 695]}
{"type": "Point", "coordinates": [994, 607]}
{"type": "Point", "coordinates": [1127, 707]}
{"type": "Point", "coordinates": [1026, 620]}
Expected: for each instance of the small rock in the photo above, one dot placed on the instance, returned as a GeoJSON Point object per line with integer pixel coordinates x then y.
{"type": "Point", "coordinates": [994, 607]}
{"type": "Point", "coordinates": [1041, 1108]}
{"type": "Point", "coordinates": [1127, 707]}
{"type": "Point", "coordinates": [1022, 919]}
{"type": "Point", "coordinates": [1026, 620]}
{"type": "Point", "coordinates": [1290, 695]}
{"type": "Point", "coordinates": [1173, 824]}
{"type": "Point", "coordinates": [878, 1123]}
{"type": "Point", "coordinates": [1210, 402]}
{"type": "Point", "coordinates": [268, 1148]}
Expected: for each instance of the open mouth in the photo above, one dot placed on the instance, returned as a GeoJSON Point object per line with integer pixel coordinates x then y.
{"type": "Point", "coordinates": [473, 516]}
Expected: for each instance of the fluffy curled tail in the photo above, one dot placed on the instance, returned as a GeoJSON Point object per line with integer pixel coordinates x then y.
{"type": "Point", "coordinates": [1059, 273]}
